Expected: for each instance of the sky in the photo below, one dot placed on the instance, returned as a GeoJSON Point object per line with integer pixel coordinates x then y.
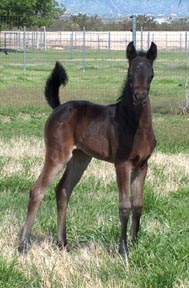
{"type": "Point", "coordinates": [128, 7]}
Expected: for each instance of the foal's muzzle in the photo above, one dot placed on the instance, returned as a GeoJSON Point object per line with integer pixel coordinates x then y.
{"type": "Point", "coordinates": [140, 99]}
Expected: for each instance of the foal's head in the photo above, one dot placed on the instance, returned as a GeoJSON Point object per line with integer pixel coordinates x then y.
{"type": "Point", "coordinates": [140, 72]}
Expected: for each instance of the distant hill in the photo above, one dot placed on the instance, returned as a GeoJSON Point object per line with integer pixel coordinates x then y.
{"type": "Point", "coordinates": [128, 7]}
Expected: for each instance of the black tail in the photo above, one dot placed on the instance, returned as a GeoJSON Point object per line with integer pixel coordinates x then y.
{"type": "Point", "coordinates": [58, 77]}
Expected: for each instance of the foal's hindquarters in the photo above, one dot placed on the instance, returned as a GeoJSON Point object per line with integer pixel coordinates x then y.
{"type": "Point", "coordinates": [59, 152]}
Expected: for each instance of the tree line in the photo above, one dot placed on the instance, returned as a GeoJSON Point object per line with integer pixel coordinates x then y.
{"type": "Point", "coordinates": [96, 23]}
{"type": "Point", "coordinates": [30, 13]}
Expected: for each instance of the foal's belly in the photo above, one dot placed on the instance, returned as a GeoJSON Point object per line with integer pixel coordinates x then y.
{"type": "Point", "coordinates": [95, 138]}
{"type": "Point", "coordinates": [97, 147]}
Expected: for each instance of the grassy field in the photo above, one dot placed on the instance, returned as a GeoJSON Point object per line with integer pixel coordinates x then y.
{"type": "Point", "coordinates": [162, 255]}
{"type": "Point", "coordinates": [101, 81]}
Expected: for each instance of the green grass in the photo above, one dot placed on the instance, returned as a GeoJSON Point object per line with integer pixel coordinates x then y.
{"type": "Point", "coordinates": [172, 133]}
{"type": "Point", "coordinates": [101, 82]}
{"type": "Point", "coordinates": [160, 259]}
{"type": "Point", "coordinates": [161, 256]}
{"type": "Point", "coordinates": [16, 125]}
{"type": "Point", "coordinates": [10, 277]}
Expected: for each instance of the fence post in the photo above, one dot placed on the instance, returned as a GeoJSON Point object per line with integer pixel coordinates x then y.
{"type": "Point", "coordinates": [5, 40]}
{"type": "Point", "coordinates": [37, 39]}
{"type": "Point", "coordinates": [33, 39]}
{"type": "Point", "coordinates": [98, 42]}
{"type": "Point", "coordinates": [84, 50]}
{"type": "Point", "coordinates": [14, 43]}
{"type": "Point", "coordinates": [141, 32]}
{"type": "Point", "coordinates": [24, 46]}
{"type": "Point", "coordinates": [148, 39]}
{"type": "Point", "coordinates": [166, 37]}
{"type": "Point", "coordinates": [109, 44]}
{"type": "Point", "coordinates": [71, 45]}
{"type": "Point", "coordinates": [186, 42]}
{"type": "Point", "coordinates": [126, 41]}
{"type": "Point", "coordinates": [134, 29]}
{"type": "Point", "coordinates": [153, 37]}
{"type": "Point", "coordinates": [180, 42]}
{"type": "Point", "coordinates": [19, 43]}
{"type": "Point", "coordinates": [44, 38]}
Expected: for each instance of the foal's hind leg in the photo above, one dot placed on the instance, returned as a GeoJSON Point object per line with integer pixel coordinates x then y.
{"type": "Point", "coordinates": [74, 170]}
{"type": "Point", "coordinates": [137, 188]}
{"type": "Point", "coordinates": [49, 171]}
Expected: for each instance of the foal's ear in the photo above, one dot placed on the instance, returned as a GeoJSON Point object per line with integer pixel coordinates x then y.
{"type": "Point", "coordinates": [152, 52]}
{"type": "Point", "coordinates": [131, 51]}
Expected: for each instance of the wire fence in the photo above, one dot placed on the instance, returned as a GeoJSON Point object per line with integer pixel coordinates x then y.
{"type": "Point", "coordinates": [93, 60]}
{"type": "Point", "coordinates": [112, 40]}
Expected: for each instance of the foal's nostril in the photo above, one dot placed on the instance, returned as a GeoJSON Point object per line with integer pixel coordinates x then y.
{"type": "Point", "coordinates": [140, 96]}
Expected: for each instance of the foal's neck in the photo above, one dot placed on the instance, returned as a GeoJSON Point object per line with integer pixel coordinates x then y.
{"type": "Point", "coordinates": [135, 116]}
{"type": "Point", "coordinates": [145, 119]}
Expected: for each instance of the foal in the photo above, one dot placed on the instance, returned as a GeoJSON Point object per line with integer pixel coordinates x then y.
{"type": "Point", "coordinates": [121, 133]}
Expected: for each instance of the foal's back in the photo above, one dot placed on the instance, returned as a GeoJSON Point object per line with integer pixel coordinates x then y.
{"type": "Point", "coordinates": [89, 127]}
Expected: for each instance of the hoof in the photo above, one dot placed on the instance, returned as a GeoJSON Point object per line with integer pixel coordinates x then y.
{"type": "Point", "coordinates": [123, 250]}
{"type": "Point", "coordinates": [61, 245]}
{"type": "Point", "coordinates": [23, 248]}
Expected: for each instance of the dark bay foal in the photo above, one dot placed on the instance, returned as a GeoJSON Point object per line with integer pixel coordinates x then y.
{"type": "Point", "coordinates": [121, 133]}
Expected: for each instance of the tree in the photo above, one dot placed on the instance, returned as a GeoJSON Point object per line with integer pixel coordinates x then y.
{"type": "Point", "coordinates": [82, 20]}
{"type": "Point", "coordinates": [32, 13]}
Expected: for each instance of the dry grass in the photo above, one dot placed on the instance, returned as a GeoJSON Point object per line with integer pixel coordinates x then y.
{"type": "Point", "coordinates": [168, 171]}
{"type": "Point", "coordinates": [19, 148]}
{"type": "Point", "coordinates": [57, 268]}
{"type": "Point", "coordinates": [81, 267]}
{"type": "Point", "coordinates": [172, 168]}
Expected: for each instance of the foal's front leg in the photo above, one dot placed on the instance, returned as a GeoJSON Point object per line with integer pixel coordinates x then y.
{"type": "Point", "coordinates": [137, 188]}
{"type": "Point", "coordinates": [123, 173]}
